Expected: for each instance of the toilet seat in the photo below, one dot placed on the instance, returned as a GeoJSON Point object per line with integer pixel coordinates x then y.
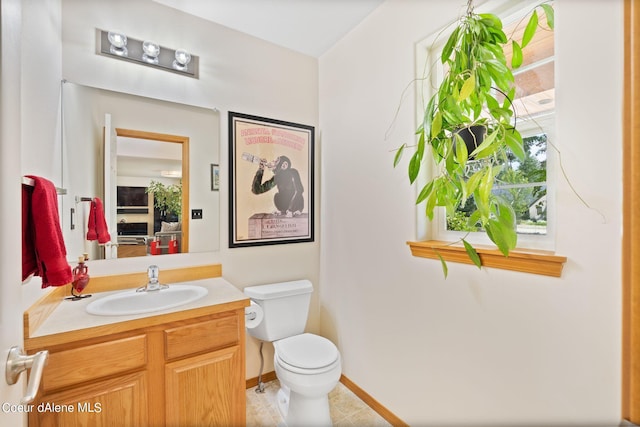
{"type": "Point", "coordinates": [306, 354]}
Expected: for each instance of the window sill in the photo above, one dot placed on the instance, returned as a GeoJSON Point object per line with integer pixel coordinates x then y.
{"type": "Point", "coordinates": [535, 262]}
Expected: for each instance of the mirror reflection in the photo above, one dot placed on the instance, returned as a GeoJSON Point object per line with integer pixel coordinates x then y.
{"type": "Point", "coordinates": [149, 186]}
{"type": "Point", "coordinates": [149, 161]}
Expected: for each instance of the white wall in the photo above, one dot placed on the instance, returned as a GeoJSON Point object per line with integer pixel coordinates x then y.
{"type": "Point", "coordinates": [41, 72]}
{"type": "Point", "coordinates": [486, 347]}
{"type": "Point", "coordinates": [237, 73]}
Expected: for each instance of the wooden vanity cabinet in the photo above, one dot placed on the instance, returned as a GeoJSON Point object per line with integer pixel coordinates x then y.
{"type": "Point", "coordinates": [182, 373]}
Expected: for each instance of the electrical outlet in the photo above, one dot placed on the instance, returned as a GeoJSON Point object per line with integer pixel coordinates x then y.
{"type": "Point", "coordinates": [196, 213]}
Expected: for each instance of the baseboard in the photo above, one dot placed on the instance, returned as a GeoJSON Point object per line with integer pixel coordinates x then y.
{"type": "Point", "coordinates": [372, 403]}
{"type": "Point", "coordinates": [269, 376]}
{"type": "Point", "coordinates": [353, 387]}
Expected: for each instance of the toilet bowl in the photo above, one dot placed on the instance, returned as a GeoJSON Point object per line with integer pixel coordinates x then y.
{"type": "Point", "coordinates": [307, 365]}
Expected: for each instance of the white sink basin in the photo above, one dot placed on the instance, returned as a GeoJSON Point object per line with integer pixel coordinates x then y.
{"type": "Point", "coordinates": [131, 302]}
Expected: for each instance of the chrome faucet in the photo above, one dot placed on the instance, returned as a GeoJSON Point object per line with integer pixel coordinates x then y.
{"type": "Point", "coordinates": [153, 284]}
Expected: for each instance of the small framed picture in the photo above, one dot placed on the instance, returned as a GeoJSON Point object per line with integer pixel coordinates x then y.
{"type": "Point", "coordinates": [215, 177]}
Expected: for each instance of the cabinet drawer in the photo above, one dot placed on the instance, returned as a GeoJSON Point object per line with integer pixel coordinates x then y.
{"type": "Point", "coordinates": [82, 364]}
{"type": "Point", "coordinates": [202, 336]}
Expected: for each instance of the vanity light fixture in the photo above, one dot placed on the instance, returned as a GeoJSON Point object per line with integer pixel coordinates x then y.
{"type": "Point", "coordinates": [118, 45]}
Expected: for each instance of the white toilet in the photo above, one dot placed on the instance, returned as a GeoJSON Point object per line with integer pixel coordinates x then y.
{"type": "Point", "coordinates": [307, 365]}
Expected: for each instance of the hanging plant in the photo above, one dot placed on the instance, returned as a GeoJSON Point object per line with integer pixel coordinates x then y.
{"type": "Point", "coordinates": [474, 103]}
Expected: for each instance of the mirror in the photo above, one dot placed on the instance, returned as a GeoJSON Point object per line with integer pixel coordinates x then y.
{"type": "Point", "coordinates": [134, 125]}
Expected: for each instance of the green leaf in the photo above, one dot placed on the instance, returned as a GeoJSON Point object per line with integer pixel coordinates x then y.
{"type": "Point", "coordinates": [483, 193]}
{"type": "Point", "coordinates": [398, 155]}
{"type": "Point", "coordinates": [496, 67]}
{"type": "Point", "coordinates": [431, 203]}
{"type": "Point", "coordinates": [474, 180]}
{"type": "Point", "coordinates": [514, 142]}
{"type": "Point", "coordinates": [492, 103]}
{"type": "Point", "coordinates": [421, 144]}
{"type": "Point", "coordinates": [504, 212]}
{"type": "Point", "coordinates": [530, 30]}
{"type": "Point", "coordinates": [474, 218]}
{"type": "Point", "coordinates": [428, 113]}
{"type": "Point", "coordinates": [503, 236]}
{"type": "Point", "coordinates": [498, 36]}
{"type": "Point", "coordinates": [488, 140]}
{"type": "Point", "coordinates": [414, 166]}
{"type": "Point", "coordinates": [473, 254]}
{"type": "Point", "coordinates": [436, 124]}
{"type": "Point", "coordinates": [516, 59]}
{"type": "Point", "coordinates": [450, 163]}
{"type": "Point", "coordinates": [426, 192]}
{"type": "Point", "coordinates": [491, 19]}
{"type": "Point", "coordinates": [549, 13]}
{"type": "Point", "coordinates": [445, 269]}
{"type": "Point", "coordinates": [467, 87]}
{"type": "Point", "coordinates": [462, 154]}
{"type": "Point", "coordinates": [465, 191]}
{"type": "Point", "coordinates": [448, 47]}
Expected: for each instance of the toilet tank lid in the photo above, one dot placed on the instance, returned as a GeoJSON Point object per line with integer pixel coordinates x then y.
{"type": "Point", "coordinates": [278, 290]}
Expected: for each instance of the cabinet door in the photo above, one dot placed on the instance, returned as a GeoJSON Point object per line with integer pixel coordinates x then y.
{"type": "Point", "coordinates": [206, 390]}
{"type": "Point", "coordinates": [120, 401]}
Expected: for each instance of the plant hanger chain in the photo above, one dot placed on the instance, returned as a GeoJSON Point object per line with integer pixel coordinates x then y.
{"type": "Point", "coordinates": [469, 7]}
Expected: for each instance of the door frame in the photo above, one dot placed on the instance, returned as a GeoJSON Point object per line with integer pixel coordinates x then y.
{"type": "Point", "coordinates": [11, 331]}
{"type": "Point", "coordinates": [631, 217]}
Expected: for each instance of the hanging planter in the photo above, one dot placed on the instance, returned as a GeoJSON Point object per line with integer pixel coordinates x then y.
{"type": "Point", "coordinates": [472, 136]}
{"type": "Point", "coordinates": [473, 104]}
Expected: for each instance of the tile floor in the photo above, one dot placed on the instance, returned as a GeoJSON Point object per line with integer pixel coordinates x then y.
{"type": "Point", "coordinates": [346, 408]}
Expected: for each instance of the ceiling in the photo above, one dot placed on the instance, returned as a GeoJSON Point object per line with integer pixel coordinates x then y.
{"type": "Point", "coordinates": [307, 26]}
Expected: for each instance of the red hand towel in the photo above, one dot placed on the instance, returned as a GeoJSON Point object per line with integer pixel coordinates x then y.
{"type": "Point", "coordinates": [97, 227]}
{"type": "Point", "coordinates": [44, 241]}
{"type": "Point", "coordinates": [101, 223]}
{"type": "Point", "coordinates": [92, 234]}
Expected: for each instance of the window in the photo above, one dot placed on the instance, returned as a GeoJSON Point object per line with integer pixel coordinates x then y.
{"type": "Point", "coordinates": [527, 184]}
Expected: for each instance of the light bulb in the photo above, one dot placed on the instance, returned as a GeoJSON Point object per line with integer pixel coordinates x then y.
{"type": "Point", "coordinates": [151, 51]}
{"type": "Point", "coordinates": [182, 60]}
{"type": "Point", "coordinates": [118, 43]}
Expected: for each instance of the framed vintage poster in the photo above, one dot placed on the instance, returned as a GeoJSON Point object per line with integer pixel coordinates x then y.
{"type": "Point", "coordinates": [270, 181]}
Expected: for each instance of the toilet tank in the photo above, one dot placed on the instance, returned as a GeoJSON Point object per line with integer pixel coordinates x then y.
{"type": "Point", "coordinates": [285, 306]}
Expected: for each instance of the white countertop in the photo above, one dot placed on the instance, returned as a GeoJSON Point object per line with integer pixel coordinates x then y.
{"type": "Point", "coordinates": [72, 315]}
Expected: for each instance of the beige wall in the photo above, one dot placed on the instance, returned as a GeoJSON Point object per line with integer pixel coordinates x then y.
{"type": "Point", "coordinates": [483, 347]}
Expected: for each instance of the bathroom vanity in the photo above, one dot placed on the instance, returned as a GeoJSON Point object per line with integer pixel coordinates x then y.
{"type": "Point", "coordinates": [179, 367]}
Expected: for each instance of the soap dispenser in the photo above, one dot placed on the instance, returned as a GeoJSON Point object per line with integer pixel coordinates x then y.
{"type": "Point", "coordinates": [173, 245]}
{"type": "Point", "coordinates": [80, 279]}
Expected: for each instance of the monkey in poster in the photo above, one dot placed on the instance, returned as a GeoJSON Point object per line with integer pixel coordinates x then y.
{"type": "Point", "coordinates": [288, 200]}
